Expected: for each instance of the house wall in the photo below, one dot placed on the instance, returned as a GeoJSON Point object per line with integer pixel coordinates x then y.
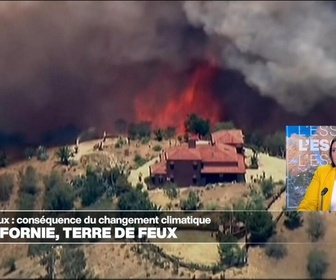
{"type": "Point", "coordinates": [181, 172]}
{"type": "Point", "coordinates": [240, 149]}
{"type": "Point", "coordinates": [158, 181]}
{"type": "Point", "coordinates": [225, 178]}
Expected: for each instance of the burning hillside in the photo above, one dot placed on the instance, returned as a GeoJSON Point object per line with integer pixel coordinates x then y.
{"type": "Point", "coordinates": [198, 96]}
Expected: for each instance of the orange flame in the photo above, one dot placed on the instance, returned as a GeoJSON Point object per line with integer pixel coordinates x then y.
{"type": "Point", "coordinates": [196, 98]}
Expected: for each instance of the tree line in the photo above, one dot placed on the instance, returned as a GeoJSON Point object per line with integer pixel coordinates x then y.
{"type": "Point", "coordinates": [274, 144]}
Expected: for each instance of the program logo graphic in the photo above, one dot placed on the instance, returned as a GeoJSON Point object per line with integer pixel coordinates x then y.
{"type": "Point", "coordinates": [307, 147]}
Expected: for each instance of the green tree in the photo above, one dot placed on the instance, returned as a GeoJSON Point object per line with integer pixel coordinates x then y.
{"type": "Point", "coordinates": [243, 211]}
{"type": "Point", "coordinates": [170, 132]}
{"type": "Point", "coordinates": [254, 160]}
{"type": "Point", "coordinates": [254, 140]}
{"type": "Point", "coordinates": [6, 186]}
{"type": "Point", "coordinates": [275, 144]}
{"type": "Point", "coordinates": [159, 134]}
{"type": "Point", "coordinates": [293, 219]}
{"type": "Point", "coordinates": [115, 180]}
{"type": "Point", "coordinates": [144, 129]}
{"type": "Point", "coordinates": [73, 262]}
{"type": "Point", "coordinates": [317, 264]}
{"type": "Point", "coordinates": [229, 252]}
{"type": "Point", "coordinates": [121, 126]}
{"type": "Point", "coordinates": [135, 200]}
{"type": "Point", "coordinates": [171, 191]}
{"type": "Point", "coordinates": [193, 202]}
{"type": "Point", "coordinates": [261, 226]}
{"type": "Point", "coordinates": [64, 155]}
{"type": "Point", "coordinates": [256, 201]}
{"type": "Point", "coordinates": [3, 159]}
{"type": "Point", "coordinates": [240, 211]}
{"type": "Point", "coordinates": [93, 187]}
{"type": "Point", "coordinates": [197, 125]}
{"type": "Point", "coordinates": [60, 197]}
{"type": "Point", "coordinates": [267, 187]}
{"type": "Point", "coordinates": [140, 130]}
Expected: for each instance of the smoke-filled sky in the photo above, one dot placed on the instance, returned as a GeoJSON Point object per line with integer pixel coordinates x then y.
{"type": "Point", "coordinates": [286, 49]}
{"type": "Point", "coordinates": [85, 63]}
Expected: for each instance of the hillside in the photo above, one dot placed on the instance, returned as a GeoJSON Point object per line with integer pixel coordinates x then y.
{"type": "Point", "coordinates": [108, 260]}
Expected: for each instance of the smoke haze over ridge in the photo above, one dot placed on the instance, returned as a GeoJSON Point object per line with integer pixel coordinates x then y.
{"type": "Point", "coordinates": [285, 49]}
{"type": "Point", "coordinates": [85, 62]}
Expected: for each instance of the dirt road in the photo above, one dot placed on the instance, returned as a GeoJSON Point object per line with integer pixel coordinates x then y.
{"type": "Point", "coordinates": [144, 170]}
{"type": "Point", "coordinates": [278, 205]}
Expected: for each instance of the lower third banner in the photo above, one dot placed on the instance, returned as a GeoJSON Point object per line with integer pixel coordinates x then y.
{"type": "Point", "coordinates": [74, 227]}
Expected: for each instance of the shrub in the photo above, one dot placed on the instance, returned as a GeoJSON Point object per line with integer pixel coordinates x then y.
{"type": "Point", "coordinates": [42, 153]}
{"type": "Point", "coordinates": [29, 180]}
{"type": "Point", "coordinates": [29, 153]}
{"type": "Point", "coordinates": [171, 191]}
{"type": "Point", "coordinates": [275, 248]}
{"type": "Point", "coordinates": [10, 264]}
{"type": "Point", "coordinates": [316, 226]}
{"type": "Point", "coordinates": [157, 148]}
{"type": "Point", "coordinates": [317, 264]}
{"type": "Point", "coordinates": [139, 160]}
{"type": "Point", "coordinates": [27, 202]}
{"type": "Point", "coordinates": [293, 219]}
{"type": "Point", "coordinates": [3, 159]}
{"type": "Point", "coordinates": [267, 187]}
{"type": "Point", "coordinates": [6, 186]}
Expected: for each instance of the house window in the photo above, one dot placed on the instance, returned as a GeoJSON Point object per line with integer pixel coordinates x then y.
{"type": "Point", "coordinates": [221, 175]}
{"type": "Point", "coordinates": [172, 179]}
{"type": "Point", "coordinates": [160, 180]}
{"type": "Point", "coordinates": [195, 165]}
{"type": "Point", "coordinates": [194, 180]}
{"type": "Point", "coordinates": [171, 165]}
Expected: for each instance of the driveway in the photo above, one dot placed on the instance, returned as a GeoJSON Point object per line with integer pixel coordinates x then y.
{"type": "Point", "coordinates": [133, 178]}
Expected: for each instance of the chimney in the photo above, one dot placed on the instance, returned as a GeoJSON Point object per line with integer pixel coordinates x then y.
{"type": "Point", "coordinates": [192, 143]}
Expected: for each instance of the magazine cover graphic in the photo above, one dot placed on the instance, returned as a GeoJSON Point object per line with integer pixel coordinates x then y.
{"type": "Point", "coordinates": [307, 147]}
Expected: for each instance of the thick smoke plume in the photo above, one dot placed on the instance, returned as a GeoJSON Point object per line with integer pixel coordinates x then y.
{"type": "Point", "coordinates": [84, 62]}
{"type": "Point", "coordinates": [285, 49]}
{"type": "Point", "coordinates": [88, 63]}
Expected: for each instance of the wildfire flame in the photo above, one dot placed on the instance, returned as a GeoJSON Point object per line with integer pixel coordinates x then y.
{"type": "Point", "coordinates": [197, 97]}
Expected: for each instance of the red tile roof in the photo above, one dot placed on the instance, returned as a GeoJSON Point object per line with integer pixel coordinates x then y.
{"type": "Point", "coordinates": [232, 136]}
{"type": "Point", "coordinates": [159, 168]}
{"type": "Point", "coordinates": [224, 155]}
{"type": "Point", "coordinates": [183, 152]}
{"type": "Point", "coordinates": [238, 168]}
{"type": "Point", "coordinates": [217, 153]}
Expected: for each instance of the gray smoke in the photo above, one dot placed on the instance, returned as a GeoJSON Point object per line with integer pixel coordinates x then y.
{"type": "Point", "coordinates": [285, 49]}
{"type": "Point", "coordinates": [83, 62]}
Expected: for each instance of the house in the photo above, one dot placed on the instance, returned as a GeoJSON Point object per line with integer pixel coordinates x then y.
{"type": "Point", "coordinates": [198, 163]}
{"type": "Point", "coordinates": [233, 137]}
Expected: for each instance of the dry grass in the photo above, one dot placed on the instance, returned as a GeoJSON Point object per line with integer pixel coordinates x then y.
{"type": "Point", "coordinates": [219, 196]}
{"type": "Point", "coordinates": [119, 261]}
